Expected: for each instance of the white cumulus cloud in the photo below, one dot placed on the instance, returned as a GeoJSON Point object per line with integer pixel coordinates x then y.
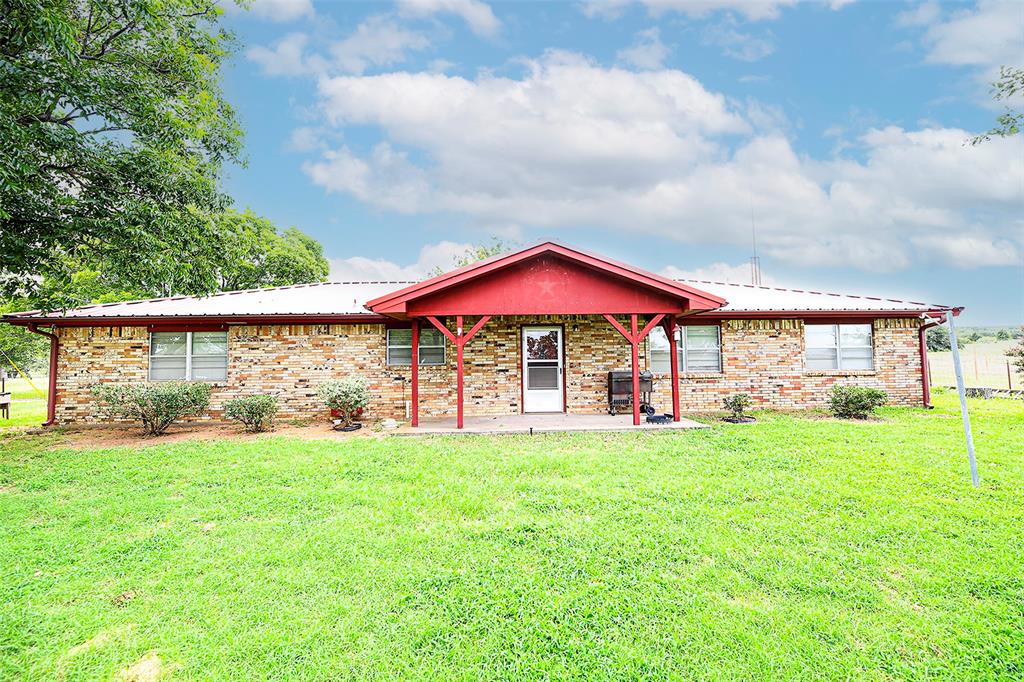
{"type": "Point", "coordinates": [648, 52]}
{"type": "Point", "coordinates": [570, 143]}
{"type": "Point", "coordinates": [431, 257]}
{"type": "Point", "coordinates": [287, 57]}
{"type": "Point", "coordinates": [478, 15]}
{"type": "Point", "coordinates": [754, 10]}
{"type": "Point", "coordinates": [990, 34]}
{"type": "Point", "coordinates": [718, 272]}
{"type": "Point", "coordinates": [378, 41]}
{"type": "Point", "coordinates": [737, 44]}
{"type": "Point", "coordinates": [282, 10]}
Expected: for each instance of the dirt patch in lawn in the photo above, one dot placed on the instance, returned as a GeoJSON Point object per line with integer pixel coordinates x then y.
{"type": "Point", "coordinates": [146, 669]}
{"type": "Point", "coordinates": [122, 435]}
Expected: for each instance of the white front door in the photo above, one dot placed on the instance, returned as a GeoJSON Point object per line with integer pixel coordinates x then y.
{"type": "Point", "coordinates": [542, 370]}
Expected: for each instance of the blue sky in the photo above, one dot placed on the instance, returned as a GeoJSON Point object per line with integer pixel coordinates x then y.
{"type": "Point", "coordinates": [654, 131]}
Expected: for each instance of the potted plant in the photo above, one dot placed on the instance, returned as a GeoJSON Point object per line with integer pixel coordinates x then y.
{"type": "Point", "coordinates": [737, 404]}
{"type": "Point", "coordinates": [346, 399]}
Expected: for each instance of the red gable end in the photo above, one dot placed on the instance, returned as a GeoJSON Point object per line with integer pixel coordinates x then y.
{"type": "Point", "coordinates": [547, 279]}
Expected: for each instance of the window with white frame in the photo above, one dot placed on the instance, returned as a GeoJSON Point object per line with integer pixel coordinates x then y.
{"type": "Point", "coordinates": [400, 347]}
{"type": "Point", "coordinates": [181, 356]}
{"type": "Point", "coordinates": [838, 346]}
{"type": "Point", "coordinates": [698, 347]}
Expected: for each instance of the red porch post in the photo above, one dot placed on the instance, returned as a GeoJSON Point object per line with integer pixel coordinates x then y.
{"type": "Point", "coordinates": [636, 370]}
{"type": "Point", "coordinates": [460, 339]}
{"type": "Point", "coordinates": [634, 337]}
{"type": "Point", "coordinates": [415, 372]}
{"type": "Point", "coordinates": [458, 354]}
{"type": "Point", "coordinates": [670, 331]}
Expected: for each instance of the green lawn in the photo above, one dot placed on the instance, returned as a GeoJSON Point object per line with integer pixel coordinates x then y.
{"type": "Point", "coordinates": [29, 408]}
{"type": "Point", "coordinates": [21, 389]}
{"type": "Point", "coordinates": [792, 548]}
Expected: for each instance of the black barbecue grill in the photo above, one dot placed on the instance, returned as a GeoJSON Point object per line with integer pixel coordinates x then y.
{"type": "Point", "coordinates": [620, 391]}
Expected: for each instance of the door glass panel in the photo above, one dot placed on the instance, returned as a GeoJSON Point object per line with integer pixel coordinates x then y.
{"type": "Point", "coordinates": [542, 345]}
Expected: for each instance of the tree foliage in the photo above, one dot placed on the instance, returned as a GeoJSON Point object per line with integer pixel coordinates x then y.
{"type": "Point", "coordinates": [20, 346]}
{"type": "Point", "coordinates": [937, 339]}
{"type": "Point", "coordinates": [1016, 353]}
{"type": "Point", "coordinates": [156, 405]}
{"type": "Point", "coordinates": [115, 131]}
{"type": "Point", "coordinates": [476, 252]}
{"type": "Point", "coordinates": [255, 255]}
{"type": "Point", "coordinates": [255, 412]}
{"type": "Point", "coordinates": [348, 396]}
{"type": "Point", "coordinates": [1008, 87]}
{"type": "Point", "coordinates": [855, 402]}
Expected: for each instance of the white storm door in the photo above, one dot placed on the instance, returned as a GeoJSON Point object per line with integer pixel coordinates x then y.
{"type": "Point", "coordinates": [542, 369]}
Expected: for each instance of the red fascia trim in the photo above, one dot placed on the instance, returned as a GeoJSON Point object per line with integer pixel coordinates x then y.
{"type": "Point", "coordinates": [394, 302]}
{"type": "Point", "coordinates": [177, 321]}
{"type": "Point", "coordinates": [51, 397]}
{"type": "Point", "coordinates": [823, 316]}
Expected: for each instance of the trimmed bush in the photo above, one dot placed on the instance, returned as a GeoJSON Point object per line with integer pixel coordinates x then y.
{"type": "Point", "coordinates": [736, 404]}
{"type": "Point", "coordinates": [346, 396]}
{"type": "Point", "coordinates": [855, 402]}
{"type": "Point", "coordinates": [256, 412]}
{"type": "Point", "coordinates": [156, 405]}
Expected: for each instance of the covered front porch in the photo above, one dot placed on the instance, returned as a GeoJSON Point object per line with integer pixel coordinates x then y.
{"type": "Point", "coordinates": [546, 280]}
{"type": "Point", "coordinates": [531, 424]}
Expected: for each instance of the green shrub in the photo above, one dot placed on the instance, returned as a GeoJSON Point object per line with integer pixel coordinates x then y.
{"type": "Point", "coordinates": [737, 404]}
{"type": "Point", "coordinates": [156, 405]}
{"type": "Point", "coordinates": [347, 396]}
{"type": "Point", "coordinates": [855, 402]}
{"type": "Point", "coordinates": [256, 412]}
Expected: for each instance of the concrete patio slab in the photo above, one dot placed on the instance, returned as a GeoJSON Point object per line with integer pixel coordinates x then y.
{"type": "Point", "coordinates": [542, 423]}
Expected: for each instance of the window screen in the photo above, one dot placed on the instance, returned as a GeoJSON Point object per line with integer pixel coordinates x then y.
{"type": "Point", "coordinates": [838, 346]}
{"type": "Point", "coordinates": [181, 356]}
{"type": "Point", "coordinates": [432, 345]}
{"type": "Point", "coordinates": [699, 349]}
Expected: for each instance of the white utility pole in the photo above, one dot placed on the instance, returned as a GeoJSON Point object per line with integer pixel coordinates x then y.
{"type": "Point", "coordinates": [963, 398]}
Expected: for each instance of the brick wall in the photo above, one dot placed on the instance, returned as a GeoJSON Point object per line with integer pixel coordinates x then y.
{"type": "Point", "coordinates": [760, 357]}
{"type": "Point", "coordinates": [765, 359]}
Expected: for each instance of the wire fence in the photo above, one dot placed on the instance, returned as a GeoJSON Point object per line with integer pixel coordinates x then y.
{"type": "Point", "coordinates": [985, 365]}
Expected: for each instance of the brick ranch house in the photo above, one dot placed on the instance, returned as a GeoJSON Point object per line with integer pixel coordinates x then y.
{"type": "Point", "coordinates": [532, 331]}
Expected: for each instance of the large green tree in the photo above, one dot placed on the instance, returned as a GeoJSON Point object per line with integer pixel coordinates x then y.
{"type": "Point", "coordinates": [114, 134]}
{"type": "Point", "coordinates": [255, 255]}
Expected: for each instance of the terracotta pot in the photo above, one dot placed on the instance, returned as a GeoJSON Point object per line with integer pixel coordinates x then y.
{"type": "Point", "coordinates": [336, 414]}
